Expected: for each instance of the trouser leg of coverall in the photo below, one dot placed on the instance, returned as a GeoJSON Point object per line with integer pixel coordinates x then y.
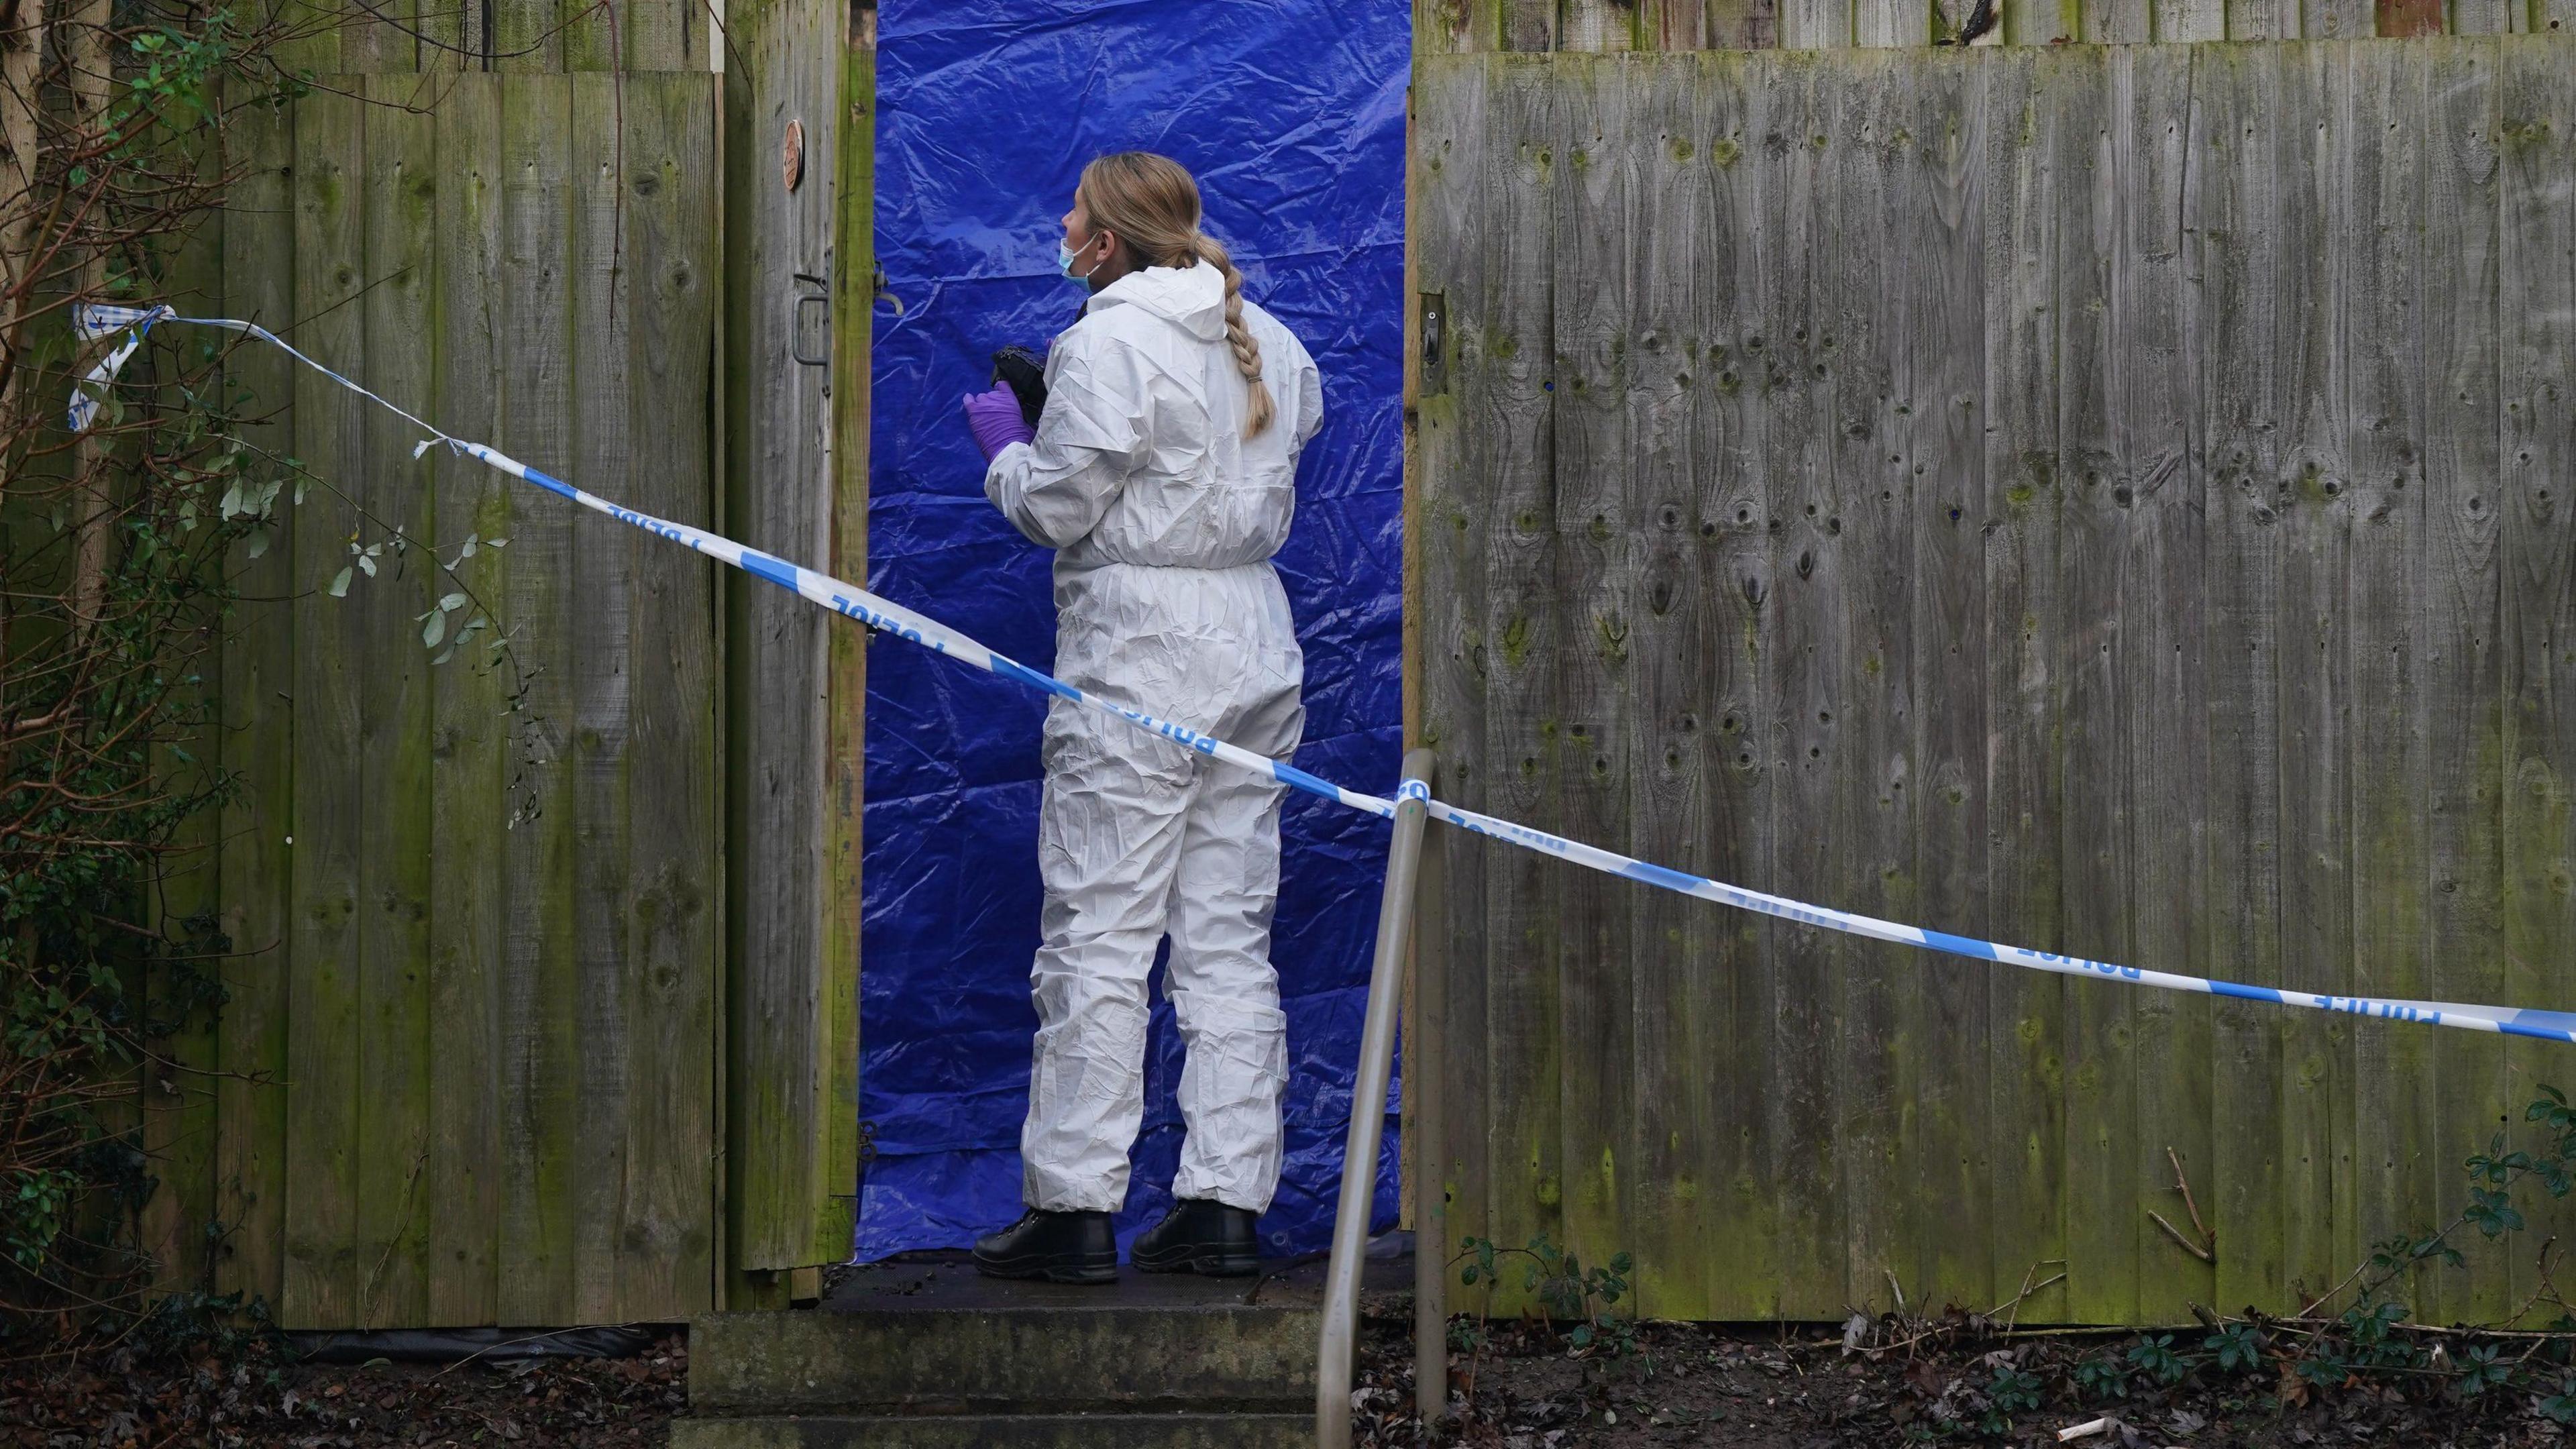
{"type": "Point", "coordinates": [1110, 829]}
{"type": "Point", "coordinates": [1225, 994]}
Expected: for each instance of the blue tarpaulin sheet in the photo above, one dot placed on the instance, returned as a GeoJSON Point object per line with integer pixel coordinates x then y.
{"type": "Point", "coordinates": [1292, 116]}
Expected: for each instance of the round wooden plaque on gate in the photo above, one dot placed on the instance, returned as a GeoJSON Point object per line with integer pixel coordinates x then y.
{"type": "Point", "coordinates": [791, 155]}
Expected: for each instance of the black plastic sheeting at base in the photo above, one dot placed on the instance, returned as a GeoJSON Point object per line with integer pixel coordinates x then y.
{"type": "Point", "coordinates": [448, 1345]}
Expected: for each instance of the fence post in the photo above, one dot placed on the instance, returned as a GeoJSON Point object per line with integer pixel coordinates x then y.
{"type": "Point", "coordinates": [1426, 1087]}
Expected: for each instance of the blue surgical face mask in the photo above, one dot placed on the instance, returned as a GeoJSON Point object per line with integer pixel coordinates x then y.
{"type": "Point", "coordinates": [1064, 258]}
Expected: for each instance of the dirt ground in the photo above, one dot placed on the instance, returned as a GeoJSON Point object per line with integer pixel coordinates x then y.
{"type": "Point", "coordinates": [1759, 1387]}
{"type": "Point", "coordinates": [1525, 1389]}
{"type": "Point", "coordinates": [114, 1399]}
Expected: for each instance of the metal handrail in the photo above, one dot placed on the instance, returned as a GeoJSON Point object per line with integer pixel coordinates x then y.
{"type": "Point", "coordinates": [1338, 1348]}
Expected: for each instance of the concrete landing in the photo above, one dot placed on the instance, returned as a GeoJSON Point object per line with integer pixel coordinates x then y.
{"type": "Point", "coordinates": [925, 1351]}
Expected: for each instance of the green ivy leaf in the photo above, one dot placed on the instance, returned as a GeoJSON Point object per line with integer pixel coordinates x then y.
{"type": "Point", "coordinates": [340, 583]}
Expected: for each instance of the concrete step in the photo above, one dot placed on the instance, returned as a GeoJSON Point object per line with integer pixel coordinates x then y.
{"type": "Point", "coordinates": [1011, 1431]}
{"type": "Point", "coordinates": [933, 1337]}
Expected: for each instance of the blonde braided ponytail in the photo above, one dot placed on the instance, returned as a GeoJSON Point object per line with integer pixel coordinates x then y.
{"type": "Point", "coordinates": [1152, 204]}
{"type": "Point", "coordinates": [1247, 348]}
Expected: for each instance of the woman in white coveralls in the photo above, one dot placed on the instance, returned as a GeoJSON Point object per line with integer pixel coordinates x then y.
{"type": "Point", "coordinates": [1162, 470]}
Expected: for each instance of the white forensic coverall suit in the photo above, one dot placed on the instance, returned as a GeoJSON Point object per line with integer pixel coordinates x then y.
{"type": "Point", "coordinates": [1163, 517]}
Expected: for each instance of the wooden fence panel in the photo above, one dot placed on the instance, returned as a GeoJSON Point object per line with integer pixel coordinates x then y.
{"type": "Point", "coordinates": [479, 1064]}
{"type": "Point", "coordinates": [1454, 27]}
{"type": "Point", "coordinates": [2055, 495]}
{"type": "Point", "coordinates": [446, 37]}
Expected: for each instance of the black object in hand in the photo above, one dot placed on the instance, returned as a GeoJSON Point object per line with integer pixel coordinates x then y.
{"type": "Point", "coordinates": [1024, 373]}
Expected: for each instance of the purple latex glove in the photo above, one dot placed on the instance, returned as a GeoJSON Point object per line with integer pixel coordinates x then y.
{"type": "Point", "coordinates": [994, 418]}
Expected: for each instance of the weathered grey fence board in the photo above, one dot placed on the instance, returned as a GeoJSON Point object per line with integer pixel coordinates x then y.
{"type": "Point", "coordinates": [2231, 213]}
{"type": "Point", "coordinates": [1525, 742]}
{"type": "Point", "coordinates": [481, 1063]}
{"type": "Point", "coordinates": [2100, 852]}
{"type": "Point", "coordinates": [2313, 516]}
{"type": "Point", "coordinates": [2163, 675]}
{"type": "Point", "coordinates": [1449, 27]}
{"type": "Point", "coordinates": [2159, 602]}
{"type": "Point", "coordinates": [1864, 541]}
{"type": "Point", "coordinates": [1796, 1186]}
{"type": "Point", "coordinates": [1678, 1170]}
{"type": "Point", "coordinates": [1742, 652]}
{"type": "Point", "coordinates": [450, 36]}
{"type": "Point", "coordinates": [2190, 20]}
{"type": "Point", "coordinates": [2024, 622]}
{"type": "Point", "coordinates": [1610, 336]}
{"type": "Point", "coordinates": [1938, 433]}
{"type": "Point", "coordinates": [2377, 224]}
{"type": "Point", "coordinates": [1467, 416]}
{"type": "Point", "coordinates": [2537, 481]}
{"type": "Point", "coordinates": [2461, 648]}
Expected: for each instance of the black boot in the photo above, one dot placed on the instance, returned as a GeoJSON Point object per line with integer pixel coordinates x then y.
{"type": "Point", "coordinates": [1199, 1236]}
{"type": "Point", "coordinates": [1069, 1247]}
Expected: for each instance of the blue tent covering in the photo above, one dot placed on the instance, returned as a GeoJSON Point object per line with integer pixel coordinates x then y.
{"type": "Point", "coordinates": [1292, 116]}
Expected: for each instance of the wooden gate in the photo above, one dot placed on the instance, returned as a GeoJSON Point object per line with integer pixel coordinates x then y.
{"type": "Point", "coordinates": [2114, 500]}
{"type": "Point", "coordinates": [542, 868]}
{"type": "Point", "coordinates": [480, 893]}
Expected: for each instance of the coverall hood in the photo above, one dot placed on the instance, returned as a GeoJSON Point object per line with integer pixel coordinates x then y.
{"type": "Point", "coordinates": [1190, 298]}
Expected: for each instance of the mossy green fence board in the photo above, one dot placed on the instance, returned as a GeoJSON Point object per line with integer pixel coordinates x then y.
{"type": "Point", "coordinates": [259, 746]}
{"type": "Point", "coordinates": [470, 739]}
{"type": "Point", "coordinates": [2112, 499]}
{"type": "Point", "coordinates": [322, 834]}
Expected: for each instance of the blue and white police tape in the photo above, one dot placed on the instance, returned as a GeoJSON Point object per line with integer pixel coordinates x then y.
{"type": "Point", "coordinates": [97, 322]}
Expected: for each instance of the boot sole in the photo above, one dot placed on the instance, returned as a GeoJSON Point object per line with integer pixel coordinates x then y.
{"type": "Point", "coordinates": [1208, 1263]}
{"type": "Point", "coordinates": [1051, 1269]}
